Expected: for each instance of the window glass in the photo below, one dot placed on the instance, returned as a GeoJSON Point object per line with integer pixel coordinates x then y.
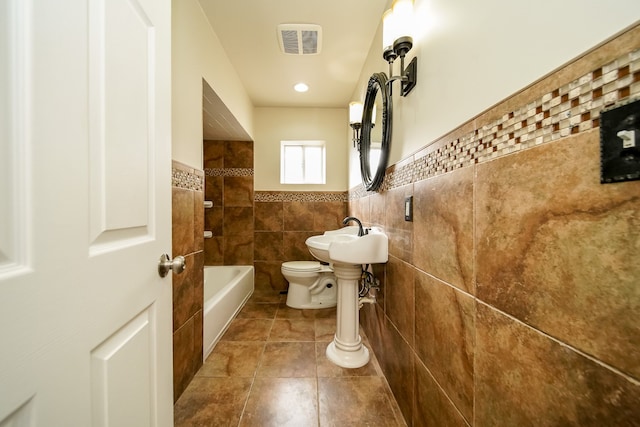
{"type": "Point", "coordinates": [302, 162]}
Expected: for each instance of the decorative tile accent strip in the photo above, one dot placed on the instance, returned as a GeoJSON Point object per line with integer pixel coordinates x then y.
{"type": "Point", "coordinates": [359, 192]}
{"type": "Point", "coordinates": [228, 172]}
{"type": "Point", "coordinates": [188, 180]}
{"type": "Point", "coordinates": [300, 196]}
{"type": "Point", "coordinates": [570, 109]}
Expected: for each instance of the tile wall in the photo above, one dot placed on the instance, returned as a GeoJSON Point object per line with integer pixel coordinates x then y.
{"type": "Point", "coordinates": [513, 298]}
{"type": "Point", "coordinates": [228, 168]}
{"type": "Point", "coordinates": [187, 229]}
{"type": "Point", "coordinates": [283, 221]}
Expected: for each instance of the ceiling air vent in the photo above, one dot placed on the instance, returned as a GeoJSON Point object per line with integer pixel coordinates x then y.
{"type": "Point", "coordinates": [300, 39]}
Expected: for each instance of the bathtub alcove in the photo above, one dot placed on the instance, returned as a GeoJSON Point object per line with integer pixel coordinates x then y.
{"type": "Point", "coordinates": [226, 290]}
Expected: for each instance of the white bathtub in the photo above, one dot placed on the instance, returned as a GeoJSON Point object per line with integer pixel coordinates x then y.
{"type": "Point", "coordinates": [226, 290]}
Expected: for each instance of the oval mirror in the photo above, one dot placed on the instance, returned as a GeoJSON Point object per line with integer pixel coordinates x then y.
{"type": "Point", "coordinates": [375, 140]}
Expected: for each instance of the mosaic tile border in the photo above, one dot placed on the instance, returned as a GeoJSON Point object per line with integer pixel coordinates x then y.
{"type": "Point", "coordinates": [300, 196]}
{"type": "Point", "coordinates": [570, 109]}
{"type": "Point", "coordinates": [187, 180]}
{"type": "Point", "coordinates": [228, 172]}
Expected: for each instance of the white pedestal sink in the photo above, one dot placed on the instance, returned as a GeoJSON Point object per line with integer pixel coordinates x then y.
{"type": "Point", "coordinates": [346, 251]}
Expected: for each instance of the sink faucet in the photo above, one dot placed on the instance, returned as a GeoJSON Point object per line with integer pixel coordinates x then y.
{"type": "Point", "coordinates": [353, 218]}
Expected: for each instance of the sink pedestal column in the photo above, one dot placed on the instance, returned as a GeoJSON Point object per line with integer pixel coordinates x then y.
{"type": "Point", "coordinates": [347, 350]}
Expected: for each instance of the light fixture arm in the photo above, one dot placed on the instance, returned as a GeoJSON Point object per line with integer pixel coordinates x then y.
{"type": "Point", "coordinates": [407, 75]}
{"type": "Point", "coordinates": [356, 134]}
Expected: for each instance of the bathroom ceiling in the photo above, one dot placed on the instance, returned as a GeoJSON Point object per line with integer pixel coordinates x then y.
{"type": "Point", "coordinates": [247, 30]}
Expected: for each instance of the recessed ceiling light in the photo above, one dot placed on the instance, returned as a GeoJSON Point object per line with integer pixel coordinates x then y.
{"type": "Point", "coordinates": [301, 87]}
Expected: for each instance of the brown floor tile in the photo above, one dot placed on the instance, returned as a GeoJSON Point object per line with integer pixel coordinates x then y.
{"type": "Point", "coordinates": [292, 330]}
{"type": "Point", "coordinates": [355, 401]}
{"type": "Point", "coordinates": [286, 312]}
{"type": "Point", "coordinates": [280, 402]}
{"type": "Point", "coordinates": [286, 380]}
{"type": "Point", "coordinates": [254, 310]}
{"type": "Point", "coordinates": [248, 330]}
{"type": "Point", "coordinates": [325, 329]}
{"type": "Point", "coordinates": [233, 359]}
{"type": "Point", "coordinates": [288, 360]}
{"type": "Point", "coordinates": [265, 296]}
{"type": "Point", "coordinates": [326, 368]}
{"type": "Point", "coordinates": [212, 402]}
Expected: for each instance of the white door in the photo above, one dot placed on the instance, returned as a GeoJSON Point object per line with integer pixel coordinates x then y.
{"type": "Point", "coordinates": [85, 320]}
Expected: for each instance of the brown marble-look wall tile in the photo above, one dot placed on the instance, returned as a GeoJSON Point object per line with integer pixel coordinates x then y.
{"type": "Point", "coordinates": [268, 246]}
{"type": "Point", "coordinates": [363, 209]}
{"type": "Point", "coordinates": [269, 276]}
{"type": "Point", "coordinates": [377, 209]}
{"type": "Point", "coordinates": [188, 240]}
{"type": "Point", "coordinates": [213, 154]}
{"type": "Point", "coordinates": [372, 320]}
{"type": "Point", "coordinates": [432, 408]}
{"type": "Point", "coordinates": [400, 232]}
{"type": "Point", "coordinates": [328, 215]}
{"type": "Point", "coordinates": [269, 216]}
{"type": "Point", "coordinates": [380, 273]}
{"type": "Point", "coordinates": [238, 154]}
{"type": "Point", "coordinates": [213, 220]}
{"type": "Point", "coordinates": [295, 248]}
{"type": "Point", "coordinates": [196, 352]}
{"type": "Point", "coordinates": [524, 378]}
{"type": "Point", "coordinates": [396, 360]}
{"type": "Point", "coordinates": [214, 251]}
{"type": "Point", "coordinates": [554, 247]}
{"type": "Point", "coordinates": [445, 330]}
{"type": "Point", "coordinates": [238, 249]}
{"type": "Point", "coordinates": [298, 216]}
{"type": "Point", "coordinates": [183, 367]}
{"type": "Point", "coordinates": [443, 233]}
{"type": "Point", "coordinates": [182, 221]}
{"type": "Point", "coordinates": [197, 276]}
{"type": "Point", "coordinates": [238, 220]}
{"type": "Point", "coordinates": [238, 191]}
{"type": "Point", "coordinates": [399, 297]}
{"type": "Point", "coordinates": [213, 189]}
{"type": "Point", "coordinates": [182, 296]}
{"type": "Point", "coordinates": [188, 290]}
{"type": "Point", "coordinates": [198, 220]}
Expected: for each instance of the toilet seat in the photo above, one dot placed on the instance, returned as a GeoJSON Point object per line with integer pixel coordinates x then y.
{"type": "Point", "coordinates": [303, 266]}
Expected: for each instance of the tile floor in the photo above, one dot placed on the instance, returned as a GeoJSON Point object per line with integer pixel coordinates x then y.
{"type": "Point", "coordinates": [269, 369]}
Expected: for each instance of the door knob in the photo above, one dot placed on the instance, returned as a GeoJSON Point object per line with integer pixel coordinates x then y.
{"type": "Point", "coordinates": [165, 264]}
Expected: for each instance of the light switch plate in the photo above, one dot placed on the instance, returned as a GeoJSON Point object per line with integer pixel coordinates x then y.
{"type": "Point", "coordinates": [620, 143]}
{"type": "Point", "coordinates": [408, 208]}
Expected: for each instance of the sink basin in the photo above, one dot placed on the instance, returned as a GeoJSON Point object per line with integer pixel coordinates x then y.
{"type": "Point", "coordinates": [344, 246]}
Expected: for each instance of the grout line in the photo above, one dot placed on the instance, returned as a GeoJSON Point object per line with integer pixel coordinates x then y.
{"type": "Point", "coordinates": [446, 395]}
{"type": "Point", "coordinates": [629, 378]}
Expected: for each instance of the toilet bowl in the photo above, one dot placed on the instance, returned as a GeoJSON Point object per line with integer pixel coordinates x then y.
{"type": "Point", "coordinates": [311, 284]}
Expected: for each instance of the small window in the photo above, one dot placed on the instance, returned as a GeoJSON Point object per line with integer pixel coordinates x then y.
{"type": "Point", "coordinates": [302, 162]}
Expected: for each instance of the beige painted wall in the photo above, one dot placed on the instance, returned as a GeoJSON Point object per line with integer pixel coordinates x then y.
{"type": "Point", "coordinates": [473, 54]}
{"type": "Point", "coordinates": [197, 54]}
{"type": "Point", "coordinates": [273, 125]}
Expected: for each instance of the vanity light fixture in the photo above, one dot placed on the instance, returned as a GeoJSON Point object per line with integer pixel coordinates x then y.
{"type": "Point", "coordinates": [397, 42]}
{"type": "Point", "coordinates": [355, 121]}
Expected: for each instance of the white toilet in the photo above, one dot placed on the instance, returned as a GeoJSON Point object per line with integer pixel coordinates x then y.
{"type": "Point", "coordinates": [311, 284]}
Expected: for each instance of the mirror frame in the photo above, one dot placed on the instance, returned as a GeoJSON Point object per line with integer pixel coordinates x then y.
{"type": "Point", "coordinates": [377, 84]}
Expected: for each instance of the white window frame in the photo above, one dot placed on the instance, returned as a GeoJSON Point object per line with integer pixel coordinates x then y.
{"type": "Point", "coordinates": [303, 144]}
